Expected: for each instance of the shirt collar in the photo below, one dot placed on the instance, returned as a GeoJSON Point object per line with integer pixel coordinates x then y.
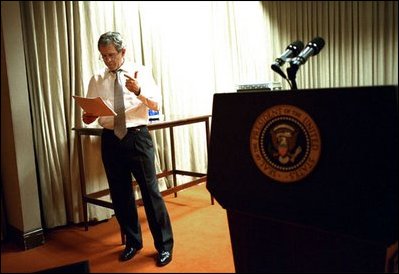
{"type": "Point", "coordinates": [123, 68]}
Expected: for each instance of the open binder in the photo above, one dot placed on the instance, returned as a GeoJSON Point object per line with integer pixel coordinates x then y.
{"type": "Point", "coordinates": [95, 106]}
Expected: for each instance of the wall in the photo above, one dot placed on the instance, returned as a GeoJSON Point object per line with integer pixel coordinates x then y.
{"type": "Point", "coordinates": [18, 169]}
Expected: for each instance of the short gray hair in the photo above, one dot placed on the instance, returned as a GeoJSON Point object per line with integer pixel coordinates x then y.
{"type": "Point", "coordinates": [111, 37]}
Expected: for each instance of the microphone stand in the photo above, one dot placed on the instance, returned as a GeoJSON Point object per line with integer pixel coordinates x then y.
{"type": "Point", "coordinates": [291, 71]}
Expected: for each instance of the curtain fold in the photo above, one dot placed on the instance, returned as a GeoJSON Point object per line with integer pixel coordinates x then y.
{"type": "Point", "coordinates": [195, 49]}
{"type": "Point", "coordinates": [48, 73]}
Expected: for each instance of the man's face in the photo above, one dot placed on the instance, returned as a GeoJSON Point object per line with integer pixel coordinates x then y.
{"type": "Point", "coordinates": [111, 57]}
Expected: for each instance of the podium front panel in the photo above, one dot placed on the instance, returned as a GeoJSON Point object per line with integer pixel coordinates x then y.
{"type": "Point", "coordinates": [353, 187]}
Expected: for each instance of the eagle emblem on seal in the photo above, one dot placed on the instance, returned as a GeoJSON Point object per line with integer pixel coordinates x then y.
{"type": "Point", "coordinates": [284, 140]}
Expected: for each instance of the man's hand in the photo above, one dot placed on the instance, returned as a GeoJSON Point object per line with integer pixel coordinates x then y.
{"type": "Point", "coordinates": [132, 84]}
{"type": "Point", "coordinates": [89, 118]}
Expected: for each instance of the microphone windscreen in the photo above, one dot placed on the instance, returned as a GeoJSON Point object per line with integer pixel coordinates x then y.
{"type": "Point", "coordinates": [317, 44]}
{"type": "Point", "coordinates": [296, 47]}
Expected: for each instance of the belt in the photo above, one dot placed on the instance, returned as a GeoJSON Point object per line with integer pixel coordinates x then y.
{"type": "Point", "coordinates": [129, 129]}
{"type": "Point", "coordinates": [134, 129]}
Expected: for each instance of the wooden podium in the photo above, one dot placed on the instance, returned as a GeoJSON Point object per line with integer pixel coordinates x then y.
{"type": "Point", "coordinates": [308, 178]}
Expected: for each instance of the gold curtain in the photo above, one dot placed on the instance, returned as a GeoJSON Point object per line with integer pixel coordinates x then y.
{"type": "Point", "coordinates": [195, 49]}
{"type": "Point", "coordinates": [361, 40]}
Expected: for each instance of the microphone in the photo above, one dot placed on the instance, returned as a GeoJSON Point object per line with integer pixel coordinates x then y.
{"type": "Point", "coordinates": [312, 48]}
{"type": "Point", "coordinates": [291, 51]}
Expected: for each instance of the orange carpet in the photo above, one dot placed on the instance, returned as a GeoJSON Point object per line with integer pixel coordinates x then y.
{"type": "Point", "coordinates": [202, 242]}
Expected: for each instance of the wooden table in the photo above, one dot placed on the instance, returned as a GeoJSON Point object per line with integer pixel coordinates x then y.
{"type": "Point", "coordinates": [94, 198]}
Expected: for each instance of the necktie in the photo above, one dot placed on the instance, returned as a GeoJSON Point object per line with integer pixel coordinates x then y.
{"type": "Point", "coordinates": [119, 107]}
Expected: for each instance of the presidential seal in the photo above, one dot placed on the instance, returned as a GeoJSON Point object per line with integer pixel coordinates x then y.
{"type": "Point", "coordinates": [285, 143]}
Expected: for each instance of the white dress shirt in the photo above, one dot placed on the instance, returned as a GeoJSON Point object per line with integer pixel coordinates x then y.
{"type": "Point", "coordinates": [102, 85]}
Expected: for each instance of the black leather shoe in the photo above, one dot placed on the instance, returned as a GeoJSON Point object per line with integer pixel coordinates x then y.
{"type": "Point", "coordinates": [128, 253]}
{"type": "Point", "coordinates": [164, 257]}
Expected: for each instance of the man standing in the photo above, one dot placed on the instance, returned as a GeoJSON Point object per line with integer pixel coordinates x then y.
{"type": "Point", "coordinates": [127, 147]}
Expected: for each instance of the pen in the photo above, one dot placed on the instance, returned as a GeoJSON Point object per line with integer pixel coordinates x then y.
{"type": "Point", "coordinates": [135, 76]}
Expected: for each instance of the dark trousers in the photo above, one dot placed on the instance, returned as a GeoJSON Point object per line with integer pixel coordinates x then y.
{"type": "Point", "coordinates": [134, 154]}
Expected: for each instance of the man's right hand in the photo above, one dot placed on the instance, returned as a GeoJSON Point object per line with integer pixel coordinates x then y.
{"type": "Point", "coordinates": [89, 118]}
